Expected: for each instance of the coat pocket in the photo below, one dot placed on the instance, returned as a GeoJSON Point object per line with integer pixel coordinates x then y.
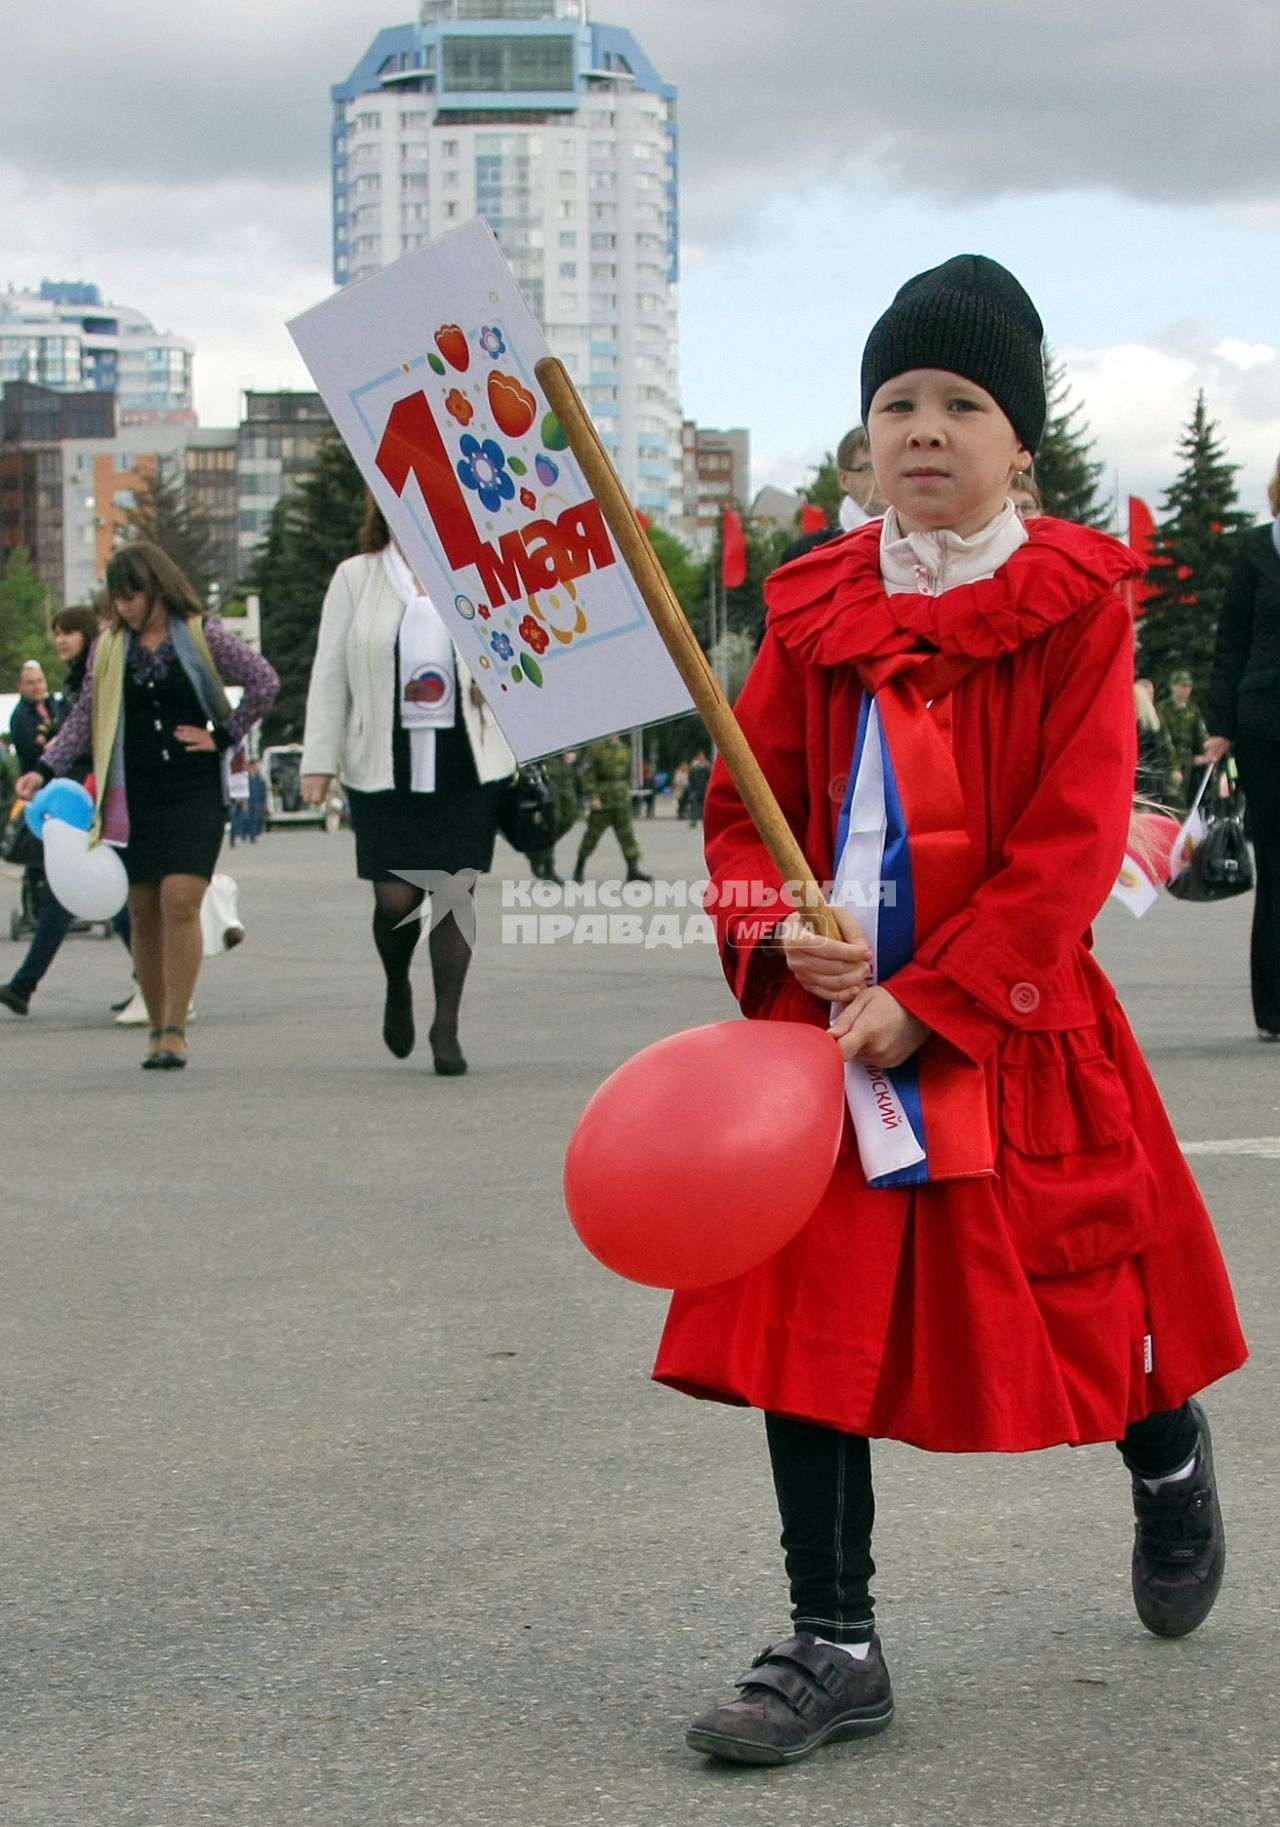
{"type": "Point", "coordinates": [1076, 1187]}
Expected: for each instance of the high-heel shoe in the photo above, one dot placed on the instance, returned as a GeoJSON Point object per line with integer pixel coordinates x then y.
{"type": "Point", "coordinates": [149, 1061]}
{"type": "Point", "coordinates": [448, 1065]}
{"type": "Point", "coordinates": [397, 1018]}
{"type": "Point", "coordinates": [167, 1060]}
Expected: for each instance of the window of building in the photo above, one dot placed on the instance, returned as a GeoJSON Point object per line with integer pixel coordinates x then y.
{"type": "Point", "coordinates": [568, 209]}
{"type": "Point", "coordinates": [512, 65]}
{"type": "Point", "coordinates": [568, 269]}
{"type": "Point", "coordinates": [449, 148]}
{"type": "Point", "coordinates": [568, 237]}
{"type": "Point", "coordinates": [368, 123]}
{"type": "Point", "coordinates": [450, 210]}
{"type": "Point", "coordinates": [415, 117]}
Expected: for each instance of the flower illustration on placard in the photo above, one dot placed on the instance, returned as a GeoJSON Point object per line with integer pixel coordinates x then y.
{"type": "Point", "coordinates": [458, 406]}
{"type": "Point", "coordinates": [484, 612]}
{"type": "Point", "coordinates": [491, 340]}
{"type": "Point", "coordinates": [528, 498]}
{"type": "Point", "coordinates": [534, 635]}
{"type": "Point", "coordinates": [501, 645]}
{"type": "Point", "coordinates": [484, 468]}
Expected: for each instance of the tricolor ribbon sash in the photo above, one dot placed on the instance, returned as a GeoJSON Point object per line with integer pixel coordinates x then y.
{"type": "Point", "coordinates": [903, 862]}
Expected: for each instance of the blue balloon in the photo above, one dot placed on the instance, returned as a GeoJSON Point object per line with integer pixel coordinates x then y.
{"type": "Point", "coordinates": [64, 799]}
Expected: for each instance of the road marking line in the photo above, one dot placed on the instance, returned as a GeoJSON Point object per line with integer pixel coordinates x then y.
{"type": "Point", "coordinates": [1266, 1148]}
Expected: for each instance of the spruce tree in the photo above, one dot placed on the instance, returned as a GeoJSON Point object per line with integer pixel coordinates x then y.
{"type": "Point", "coordinates": [1192, 555]}
{"type": "Point", "coordinates": [1065, 470]}
{"type": "Point", "coordinates": [162, 514]}
{"type": "Point", "coordinates": [309, 535]}
{"type": "Point", "coordinates": [24, 622]}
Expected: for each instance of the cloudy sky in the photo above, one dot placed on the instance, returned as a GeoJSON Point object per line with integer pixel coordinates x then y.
{"type": "Point", "coordinates": [1120, 155]}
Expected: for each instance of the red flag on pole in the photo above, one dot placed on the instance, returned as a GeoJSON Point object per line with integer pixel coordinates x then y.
{"type": "Point", "coordinates": [812, 518]}
{"type": "Point", "coordinates": [734, 563]}
{"type": "Point", "coordinates": [1142, 529]}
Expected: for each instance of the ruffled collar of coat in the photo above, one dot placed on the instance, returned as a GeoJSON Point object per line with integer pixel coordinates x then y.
{"type": "Point", "coordinates": [831, 606]}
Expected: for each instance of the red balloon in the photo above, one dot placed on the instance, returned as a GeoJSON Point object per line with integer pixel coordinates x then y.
{"type": "Point", "coordinates": [702, 1156]}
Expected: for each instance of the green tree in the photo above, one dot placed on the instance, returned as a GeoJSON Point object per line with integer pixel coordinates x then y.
{"type": "Point", "coordinates": [824, 490]}
{"type": "Point", "coordinates": [309, 535]}
{"type": "Point", "coordinates": [1192, 555]}
{"type": "Point", "coordinates": [162, 514]}
{"type": "Point", "coordinates": [665, 744]}
{"type": "Point", "coordinates": [1067, 473]}
{"type": "Point", "coordinates": [24, 622]}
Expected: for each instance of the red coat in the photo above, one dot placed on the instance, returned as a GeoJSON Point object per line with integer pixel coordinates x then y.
{"type": "Point", "coordinates": [1082, 1287]}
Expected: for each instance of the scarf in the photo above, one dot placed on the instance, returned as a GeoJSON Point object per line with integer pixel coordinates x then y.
{"type": "Point", "coordinates": [904, 859]}
{"type": "Point", "coordinates": [427, 688]}
{"type": "Point", "coordinates": [111, 815]}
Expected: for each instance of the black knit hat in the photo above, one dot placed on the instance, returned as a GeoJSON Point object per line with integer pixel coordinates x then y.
{"type": "Point", "coordinates": [971, 317]}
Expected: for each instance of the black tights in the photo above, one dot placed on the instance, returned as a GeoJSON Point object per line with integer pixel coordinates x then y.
{"type": "Point", "coordinates": [449, 951]}
{"type": "Point", "coordinates": [823, 1482]}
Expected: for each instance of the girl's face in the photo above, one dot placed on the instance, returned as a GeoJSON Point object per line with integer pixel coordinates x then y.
{"type": "Point", "coordinates": [943, 451]}
{"type": "Point", "coordinates": [69, 642]}
{"type": "Point", "coordinates": [134, 611]}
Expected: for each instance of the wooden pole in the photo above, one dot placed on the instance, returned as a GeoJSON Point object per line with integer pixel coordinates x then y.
{"type": "Point", "coordinates": [682, 644]}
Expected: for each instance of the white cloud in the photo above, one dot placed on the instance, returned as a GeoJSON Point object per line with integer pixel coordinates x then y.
{"type": "Point", "coordinates": [1138, 400]}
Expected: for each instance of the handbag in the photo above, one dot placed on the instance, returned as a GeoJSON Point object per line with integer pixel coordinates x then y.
{"type": "Point", "coordinates": [527, 810]}
{"type": "Point", "coordinates": [19, 844]}
{"type": "Point", "coordinates": [1221, 864]}
{"type": "Point", "coordinates": [220, 925]}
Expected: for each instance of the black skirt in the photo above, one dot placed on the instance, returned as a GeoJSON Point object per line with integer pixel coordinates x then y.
{"type": "Point", "coordinates": [174, 833]}
{"type": "Point", "coordinates": [451, 828]}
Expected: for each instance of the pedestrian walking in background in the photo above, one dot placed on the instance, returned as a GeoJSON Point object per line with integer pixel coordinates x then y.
{"type": "Point", "coordinates": [699, 779]}
{"type": "Point", "coordinates": [74, 632]}
{"type": "Point", "coordinates": [394, 714]}
{"type": "Point", "coordinates": [34, 715]}
{"type": "Point", "coordinates": [1187, 734]}
{"type": "Point", "coordinates": [956, 658]}
{"type": "Point", "coordinates": [1157, 775]}
{"type": "Point", "coordinates": [154, 714]}
{"type": "Point", "coordinates": [257, 804]}
{"type": "Point", "coordinates": [1243, 716]}
{"type": "Point", "coordinates": [606, 779]}
{"type": "Point", "coordinates": [562, 778]}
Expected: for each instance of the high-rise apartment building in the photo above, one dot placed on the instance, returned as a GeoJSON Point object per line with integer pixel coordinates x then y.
{"type": "Point", "coordinates": [65, 337]}
{"type": "Point", "coordinates": [561, 133]}
{"type": "Point", "coordinates": [717, 475]}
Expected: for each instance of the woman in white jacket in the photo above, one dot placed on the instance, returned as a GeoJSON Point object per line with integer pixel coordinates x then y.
{"type": "Point", "coordinates": [394, 714]}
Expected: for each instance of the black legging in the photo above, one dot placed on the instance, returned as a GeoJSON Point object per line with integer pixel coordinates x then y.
{"type": "Point", "coordinates": [825, 1498]}
{"type": "Point", "coordinates": [449, 951]}
{"type": "Point", "coordinates": [1259, 764]}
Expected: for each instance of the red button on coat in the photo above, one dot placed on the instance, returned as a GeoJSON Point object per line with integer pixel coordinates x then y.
{"type": "Point", "coordinates": [1025, 998]}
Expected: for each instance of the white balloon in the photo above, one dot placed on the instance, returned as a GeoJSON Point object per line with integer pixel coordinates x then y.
{"type": "Point", "coordinates": [91, 884]}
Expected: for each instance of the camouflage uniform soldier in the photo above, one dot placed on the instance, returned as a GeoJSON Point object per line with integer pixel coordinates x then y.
{"type": "Point", "coordinates": [562, 778]}
{"type": "Point", "coordinates": [606, 778]}
{"type": "Point", "coordinates": [1189, 735]}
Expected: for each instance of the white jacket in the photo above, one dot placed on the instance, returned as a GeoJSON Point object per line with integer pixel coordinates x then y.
{"type": "Point", "coordinates": [352, 695]}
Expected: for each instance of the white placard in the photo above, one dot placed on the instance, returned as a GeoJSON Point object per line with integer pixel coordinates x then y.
{"type": "Point", "coordinates": [428, 370]}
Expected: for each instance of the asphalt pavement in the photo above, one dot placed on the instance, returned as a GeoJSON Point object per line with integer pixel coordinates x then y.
{"type": "Point", "coordinates": [337, 1494]}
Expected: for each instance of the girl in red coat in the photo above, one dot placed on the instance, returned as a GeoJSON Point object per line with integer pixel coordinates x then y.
{"type": "Point", "coordinates": [1012, 1252]}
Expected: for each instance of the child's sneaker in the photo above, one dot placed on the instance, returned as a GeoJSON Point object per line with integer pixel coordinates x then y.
{"type": "Point", "coordinates": [1179, 1546]}
{"type": "Point", "coordinates": [796, 1696]}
